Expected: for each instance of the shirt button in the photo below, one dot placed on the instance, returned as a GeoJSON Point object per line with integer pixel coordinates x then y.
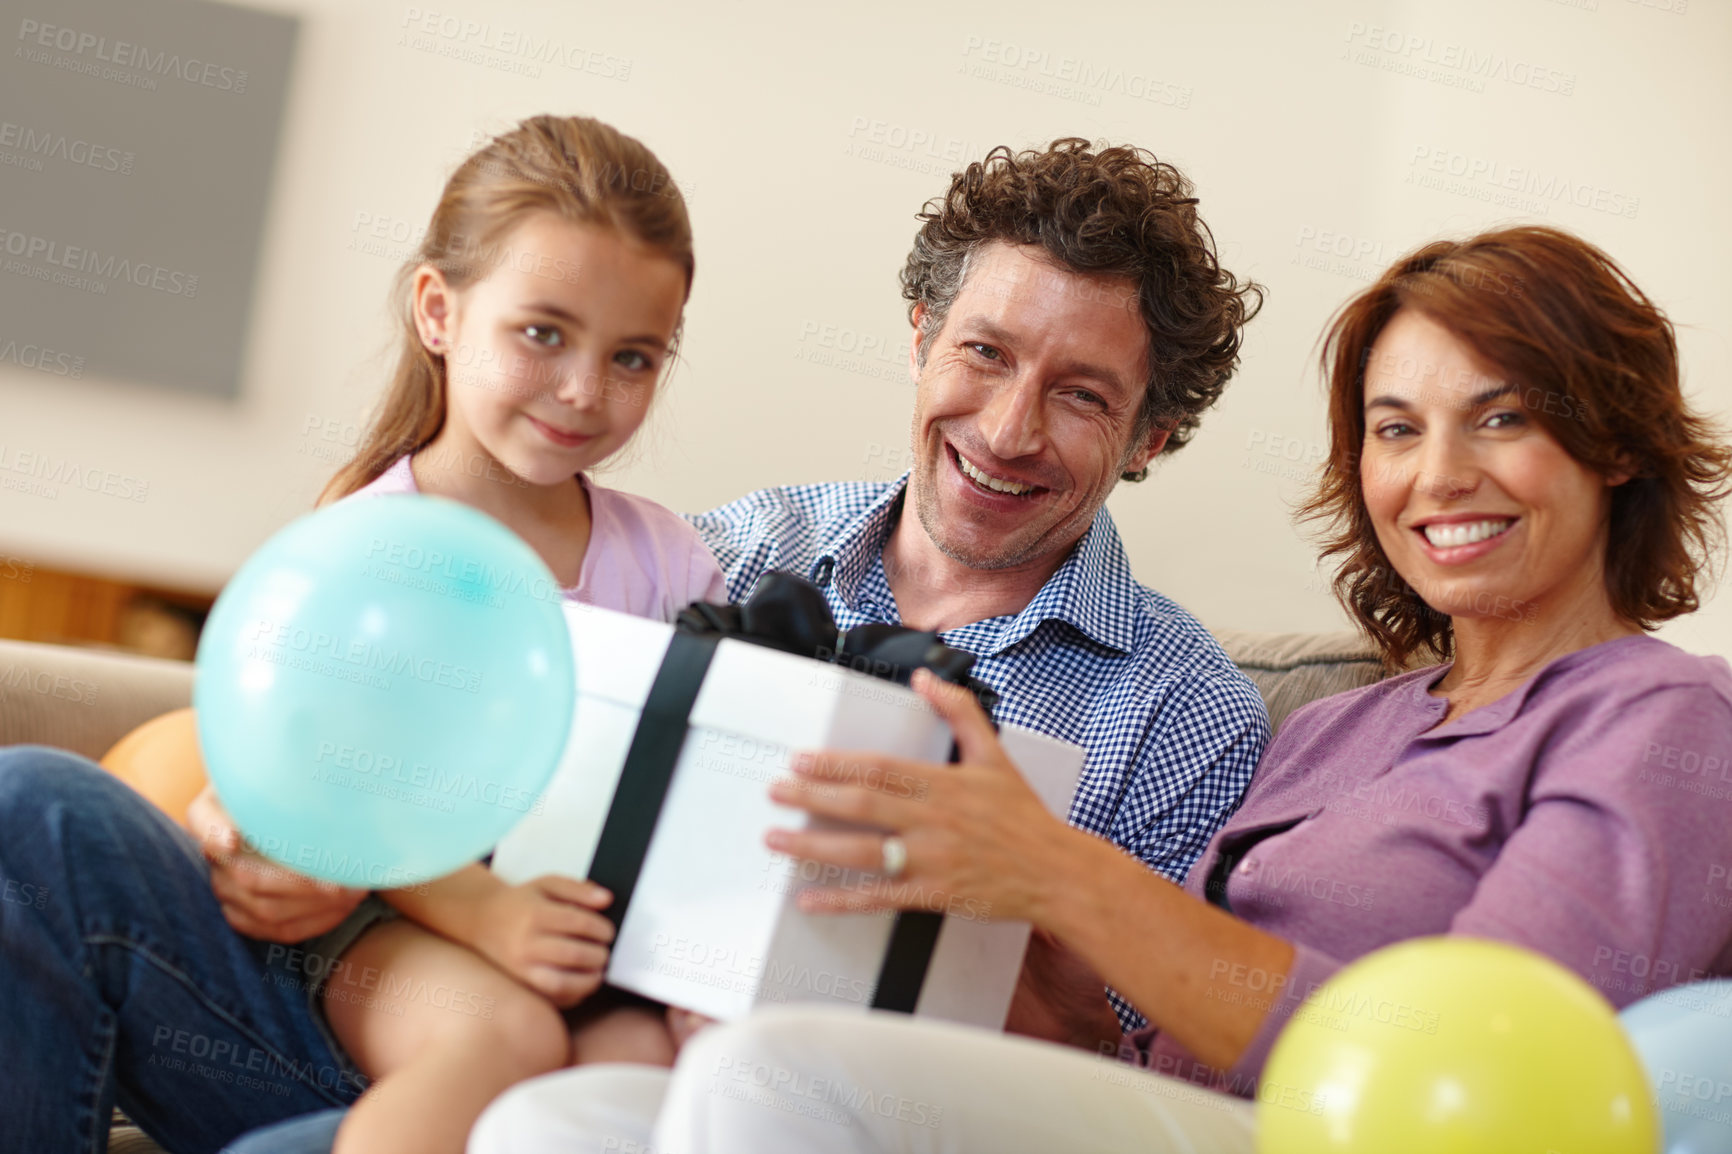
{"type": "Point", "coordinates": [822, 570]}
{"type": "Point", "coordinates": [1245, 866]}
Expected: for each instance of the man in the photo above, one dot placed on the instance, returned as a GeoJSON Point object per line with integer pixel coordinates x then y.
{"type": "Point", "coordinates": [1070, 324]}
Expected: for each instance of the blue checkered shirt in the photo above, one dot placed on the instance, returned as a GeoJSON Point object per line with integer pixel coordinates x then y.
{"type": "Point", "coordinates": [1172, 729]}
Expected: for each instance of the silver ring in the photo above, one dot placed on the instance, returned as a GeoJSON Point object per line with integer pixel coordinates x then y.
{"type": "Point", "coordinates": [895, 857]}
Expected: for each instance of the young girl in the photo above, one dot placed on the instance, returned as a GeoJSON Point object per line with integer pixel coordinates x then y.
{"type": "Point", "coordinates": [538, 314]}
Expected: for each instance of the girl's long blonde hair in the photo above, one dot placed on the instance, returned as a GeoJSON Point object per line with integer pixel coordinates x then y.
{"type": "Point", "coordinates": [583, 170]}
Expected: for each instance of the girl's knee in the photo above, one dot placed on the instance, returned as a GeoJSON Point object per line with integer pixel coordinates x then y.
{"type": "Point", "coordinates": [514, 1034]}
{"type": "Point", "coordinates": [627, 1034]}
{"type": "Point", "coordinates": [523, 1025]}
{"type": "Point", "coordinates": [400, 990]}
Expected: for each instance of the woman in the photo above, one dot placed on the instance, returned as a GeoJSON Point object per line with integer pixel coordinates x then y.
{"type": "Point", "coordinates": [1515, 484]}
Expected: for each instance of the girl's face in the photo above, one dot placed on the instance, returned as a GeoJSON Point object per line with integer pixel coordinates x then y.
{"type": "Point", "coordinates": [552, 355]}
{"type": "Point", "coordinates": [1477, 507]}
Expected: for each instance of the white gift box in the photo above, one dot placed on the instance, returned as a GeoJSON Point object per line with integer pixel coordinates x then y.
{"type": "Point", "coordinates": [711, 923]}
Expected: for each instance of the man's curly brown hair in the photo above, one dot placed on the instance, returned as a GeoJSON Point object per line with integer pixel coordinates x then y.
{"type": "Point", "coordinates": [1117, 212]}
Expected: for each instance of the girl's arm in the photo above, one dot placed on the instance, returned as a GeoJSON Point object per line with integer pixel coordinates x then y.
{"type": "Point", "coordinates": [976, 831]}
{"type": "Point", "coordinates": [546, 933]}
{"type": "Point", "coordinates": [451, 905]}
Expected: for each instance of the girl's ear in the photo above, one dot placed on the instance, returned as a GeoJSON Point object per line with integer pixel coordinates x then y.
{"type": "Point", "coordinates": [434, 304]}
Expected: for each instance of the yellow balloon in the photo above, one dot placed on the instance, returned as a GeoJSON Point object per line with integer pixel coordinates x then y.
{"type": "Point", "coordinates": [161, 760]}
{"type": "Point", "coordinates": [1457, 1045]}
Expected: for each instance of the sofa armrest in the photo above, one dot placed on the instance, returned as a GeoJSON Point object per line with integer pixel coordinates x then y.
{"type": "Point", "coordinates": [80, 699]}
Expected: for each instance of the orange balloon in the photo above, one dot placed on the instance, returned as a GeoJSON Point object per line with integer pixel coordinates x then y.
{"type": "Point", "coordinates": [161, 760]}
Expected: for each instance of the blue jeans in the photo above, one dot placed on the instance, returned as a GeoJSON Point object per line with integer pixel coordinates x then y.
{"type": "Point", "coordinates": [121, 983]}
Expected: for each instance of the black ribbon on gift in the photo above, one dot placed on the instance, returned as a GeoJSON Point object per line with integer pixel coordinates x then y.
{"type": "Point", "coordinates": [788, 613]}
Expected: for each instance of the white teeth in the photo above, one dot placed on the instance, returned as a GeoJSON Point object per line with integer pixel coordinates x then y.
{"type": "Point", "coordinates": [1465, 532]}
{"type": "Point", "coordinates": [992, 483]}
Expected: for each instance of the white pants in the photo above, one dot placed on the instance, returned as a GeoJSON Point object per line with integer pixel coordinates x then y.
{"type": "Point", "coordinates": [804, 1080]}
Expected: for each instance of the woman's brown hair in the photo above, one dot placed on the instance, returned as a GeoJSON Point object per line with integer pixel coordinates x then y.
{"type": "Point", "coordinates": [582, 170]}
{"type": "Point", "coordinates": [1594, 362]}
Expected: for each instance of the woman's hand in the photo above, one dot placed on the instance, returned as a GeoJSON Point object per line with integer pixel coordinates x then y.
{"type": "Point", "coordinates": [260, 898]}
{"type": "Point", "coordinates": [979, 841]}
{"type": "Point", "coordinates": [548, 935]}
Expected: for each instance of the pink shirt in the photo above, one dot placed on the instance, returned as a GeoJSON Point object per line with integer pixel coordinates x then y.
{"type": "Point", "coordinates": [642, 558]}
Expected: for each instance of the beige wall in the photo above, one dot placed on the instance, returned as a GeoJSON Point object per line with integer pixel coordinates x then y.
{"type": "Point", "coordinates": [807, 138]}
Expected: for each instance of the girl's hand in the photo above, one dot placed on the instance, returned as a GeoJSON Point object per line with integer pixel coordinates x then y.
{"type": "Point", "coordinates": [260, 898]}
{"type": "Point", "coordinates": [977, 836]}
{"type": "Point", "coordinates": [547, 934]}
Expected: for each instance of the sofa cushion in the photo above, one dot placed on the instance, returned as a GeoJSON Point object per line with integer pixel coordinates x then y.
{"type": "Point", "coordinates": [125, 1138]}
{"type": "Point", "coordinates": [1293, 669]}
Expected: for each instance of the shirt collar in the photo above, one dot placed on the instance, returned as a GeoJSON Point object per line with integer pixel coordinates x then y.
{"type": "Point", "coordinates": [1496, 714]}
{"type": "Point", "coordinates": [860, 545]}
{"type": "Point", "coordinates": [1092, 591]}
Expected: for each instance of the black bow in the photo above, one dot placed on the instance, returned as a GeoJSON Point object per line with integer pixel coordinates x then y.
{"type": "Point", "coordinates": [789, 613]}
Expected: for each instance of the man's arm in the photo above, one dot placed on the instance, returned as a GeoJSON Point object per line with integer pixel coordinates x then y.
{"type": "Point", "coordinates": [744, 538]}
{"type": "Point", "coordinates": [1190, 771]}
{"type": "Point", "coordinates": [1060, 998]}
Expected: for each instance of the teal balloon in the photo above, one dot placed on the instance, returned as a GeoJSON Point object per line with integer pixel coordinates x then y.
{"type": "Point", "coordinates": [384, 689]}
{"type": "Point", "coordinates": [1684, 1036]}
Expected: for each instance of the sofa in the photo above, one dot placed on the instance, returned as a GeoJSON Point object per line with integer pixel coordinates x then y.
{"type": "Point", "coordinates": [86, 700]}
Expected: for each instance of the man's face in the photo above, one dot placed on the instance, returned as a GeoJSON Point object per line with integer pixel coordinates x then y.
{"type": "Point", "coordinates": [1026, 404]}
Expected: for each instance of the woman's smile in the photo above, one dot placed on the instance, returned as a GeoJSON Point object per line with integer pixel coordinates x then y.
{"type": "Point", "coordinates": [1464, 537]}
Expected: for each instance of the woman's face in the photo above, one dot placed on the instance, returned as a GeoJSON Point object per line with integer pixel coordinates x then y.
{"type": "Point", "coordinates": [1476, 506]}
{"type": "Point", "coordinates": [552, 356]}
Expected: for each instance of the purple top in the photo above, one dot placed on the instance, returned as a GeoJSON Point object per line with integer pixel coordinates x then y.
{"type": "Point", "coordinates": [1586, 815]}
{"type": "Point", "coordinates": [642, 559]}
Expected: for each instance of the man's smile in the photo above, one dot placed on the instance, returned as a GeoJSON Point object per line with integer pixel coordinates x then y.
{"type": "Point", "coordinates": [994, 483]}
